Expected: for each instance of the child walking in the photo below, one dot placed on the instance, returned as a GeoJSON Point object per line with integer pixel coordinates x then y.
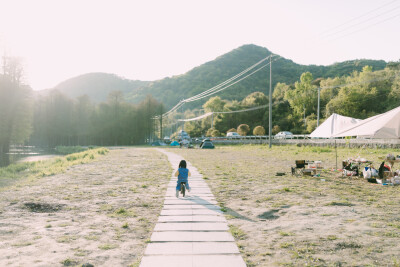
{"type": "Point", "coordinates": [182, 173]}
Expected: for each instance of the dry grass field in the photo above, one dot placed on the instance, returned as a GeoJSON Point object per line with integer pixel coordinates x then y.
{"type": "Point", "coordinates": [100, 211]}
{"type": "Point", "coordinates": [302, 221]}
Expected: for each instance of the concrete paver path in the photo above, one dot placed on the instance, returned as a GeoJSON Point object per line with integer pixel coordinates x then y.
{"type": "Point", "coordinates": [191, 231]}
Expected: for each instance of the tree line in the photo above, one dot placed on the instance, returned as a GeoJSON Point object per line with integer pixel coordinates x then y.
{"type": "Point", "coordinates": [53, 119]}
{"type": "Point", "coordinates": [361, 94]}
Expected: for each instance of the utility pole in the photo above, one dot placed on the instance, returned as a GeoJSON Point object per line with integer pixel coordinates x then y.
{"type": "Point", "coordinates": [270, 101]}
{"type": "Point", "coordinates": [161, 134]}
{"type": "Point", "coordinates": [319, 90]}
{"type": "Point", "coordinates": [212, 119]}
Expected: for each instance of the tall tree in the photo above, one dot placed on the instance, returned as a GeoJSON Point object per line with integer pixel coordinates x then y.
{"type": "Point", "coordinates": [15, 105]}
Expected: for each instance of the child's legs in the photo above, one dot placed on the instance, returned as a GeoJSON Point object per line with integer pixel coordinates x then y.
{"type": "Point", "coordinates": [178, 185]}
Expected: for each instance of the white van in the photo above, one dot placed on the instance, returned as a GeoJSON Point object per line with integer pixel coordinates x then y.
{"type": "Point", "coordinates": [233, 135]}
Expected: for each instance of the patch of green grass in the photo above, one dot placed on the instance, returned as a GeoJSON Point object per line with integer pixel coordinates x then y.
{"type": "Point", "coordinates": [237, 233]}
{"type": "Point", "coordinates": [22, 244]}
{"type": "Point", "coordinates": [331, 237]}
{"type": "Point", "coordinates": [286, 233]}
{"type": "Point", "coordinates": [69, 262]}
{"type": "Point", "coordinates": [335, 203]}
{"type": "Point", "coordinates": [345, 245]}
{"type": "Point", "coordinates": [38, 169]}
{"type": "Point", "coordinates": [108, 246]}
{"type": "Point", "coordinates": [66, 238]}
{"type": "Point", "coordinates": [125, 225]}
{"type": "Point", "coordinates": [286, 245]}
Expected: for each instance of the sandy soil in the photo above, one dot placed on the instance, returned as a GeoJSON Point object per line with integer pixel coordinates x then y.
{"type": "Point", "coordinates": [101, 213]}
{"type": "Point", "coordinates": [302, 221]}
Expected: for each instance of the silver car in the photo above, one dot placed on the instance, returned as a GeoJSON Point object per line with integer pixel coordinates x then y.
{"type": "Point", "coordinates": [284, 135]}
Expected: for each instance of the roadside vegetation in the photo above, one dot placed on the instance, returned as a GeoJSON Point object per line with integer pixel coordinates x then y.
{"type": "Point", "coordinates": [65, 150]}
{"type": "Point", "coordinates": [327, 220]}
{"type": "Point", "coordinates": [34, 170]}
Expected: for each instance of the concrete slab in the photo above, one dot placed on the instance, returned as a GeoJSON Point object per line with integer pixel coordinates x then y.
{"type": "Point", "coordinates": [183, 201]}
{"type": "Point", "coordinates": [177, 212]}
{"type": "Point", "coordinates": [216, 226]}
{"type": "Point", "coordinates": [211, 207]}
{"type": "Point", "coordinates": [191, 236]}
{"type": "Point", "coordinates": [185, 248]}
{"type": "Point", "coordinates": [193, 261]}
{"type": "Point", "coordinates": [192, 218]}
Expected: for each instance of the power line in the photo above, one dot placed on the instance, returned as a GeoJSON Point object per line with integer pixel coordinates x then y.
{"type": "Point", "coordinates": [353, 19]}
{"type": "Point", "coordinates": [227, 81]}
{"type": "Point", "coordinates": [218, 88]}
{"type": "Point", "coordinates": [379, 22]}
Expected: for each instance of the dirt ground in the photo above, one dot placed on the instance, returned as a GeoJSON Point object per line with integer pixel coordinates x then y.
{"type": "Point", "coordinates": [103, 212]}
{"type": "Point", "coordinates": [100, 213]}
{"type": "Point", "coordinates": [302, 221]}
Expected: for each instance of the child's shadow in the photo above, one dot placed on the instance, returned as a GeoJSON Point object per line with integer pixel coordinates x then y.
{"type": "Point", "coordinates": [208, 205]}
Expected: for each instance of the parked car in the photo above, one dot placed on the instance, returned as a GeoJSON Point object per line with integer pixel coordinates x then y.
{"type": "Point", "coordinates": [284, 135]}
{"type": "Point", "coordinates": [233, 135]}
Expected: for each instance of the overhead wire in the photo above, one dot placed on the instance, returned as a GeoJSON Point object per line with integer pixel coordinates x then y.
{"type": "Point", "coordinates": [379, 22]}
{"type": "Point", "coordinates": [218, 88]}
{"type": "Point", "coordinates": [227, 81]}
{"type": "Point", "coordinates": [221, 89]}
{"type": "Point", "coordinates": [328, 32]}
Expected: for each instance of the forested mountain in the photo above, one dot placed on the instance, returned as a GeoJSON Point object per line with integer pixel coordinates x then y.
{"type": "Point", "coordinates": [172, 89]}
{"type": "Point", "coordinates": [98, 86]}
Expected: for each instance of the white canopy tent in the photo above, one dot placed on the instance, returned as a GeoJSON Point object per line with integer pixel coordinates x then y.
{"type": "Point", "coordinates": [332, 125]}
{"type": "Point", "coordinates": [385, 125]}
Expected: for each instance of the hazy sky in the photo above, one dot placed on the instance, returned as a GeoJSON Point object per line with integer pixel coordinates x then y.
{"type": "Point", "coordinates": [153, 39]}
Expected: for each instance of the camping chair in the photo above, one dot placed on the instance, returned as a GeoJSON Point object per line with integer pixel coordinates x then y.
{"type": "Point", "coordinates": [298, 169]}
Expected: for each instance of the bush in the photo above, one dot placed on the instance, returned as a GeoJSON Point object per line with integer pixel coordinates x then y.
{"type": "Point", "coordinates": [259, 130]}
{"type": "Point", "coordinates": [276, 129]}
{"type": "Point", "coordinates": [209, 132]}
{"type": "Point", "coordinates": [243, 129]}
{"type": "Point", "coordinates": [215, 133]}
{"type": "Point", "coordinates": [231, 130]}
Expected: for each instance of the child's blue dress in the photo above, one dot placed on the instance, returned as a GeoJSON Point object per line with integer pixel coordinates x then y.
{"type": "Point", "coordinates": [182, 177]}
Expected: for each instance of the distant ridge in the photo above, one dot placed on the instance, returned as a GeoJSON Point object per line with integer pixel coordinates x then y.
{"type": "Point", "coordinates": [172, 89]}
{"type": "Point", "coordinates": [98, 86]}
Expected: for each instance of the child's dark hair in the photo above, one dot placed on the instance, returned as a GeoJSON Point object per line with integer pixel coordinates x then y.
{"type": "Point", "coordinates": [182, 164]}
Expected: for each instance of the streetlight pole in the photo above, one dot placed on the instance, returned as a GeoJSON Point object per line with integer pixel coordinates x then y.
{"type": "Point", "coordinates": [270, 101]}
{"type": "Point", "coordinates": [319, 90]}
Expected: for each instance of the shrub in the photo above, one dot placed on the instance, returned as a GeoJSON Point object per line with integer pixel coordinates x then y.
{"type": "Point", "coordinates": [259, 130]}
{"type": "Point", "coordinates": [276, 129]}
{"type": "Point", "coordinates": [215, 133]}
{"type": "Point", "coordinates": [209, 132]}
{"type": "Point", "coordinates": [231, 130]}
{"type": "Point", "coordinates": [243, 129]}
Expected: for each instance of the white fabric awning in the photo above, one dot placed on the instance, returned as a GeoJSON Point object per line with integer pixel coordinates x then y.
{"type": "Point", "coordinates": [332, 125]}
{"type": "Point", "coordinates": [385, 125]}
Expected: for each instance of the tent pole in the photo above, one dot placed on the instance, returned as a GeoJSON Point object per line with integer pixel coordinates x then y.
{"type": "Point", "coordinates": [336, 153]}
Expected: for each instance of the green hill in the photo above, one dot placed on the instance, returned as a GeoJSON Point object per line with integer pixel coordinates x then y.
{"type": "Point", "coordinates": [172, 89]}
{"type": "Point", "coordinates": [199, 79]}
{"type": "Point", "coordinates": [98, 85]}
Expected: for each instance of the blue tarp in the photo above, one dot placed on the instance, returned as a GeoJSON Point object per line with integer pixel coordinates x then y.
{"type": "Point", "coordinates": [174, 143]}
